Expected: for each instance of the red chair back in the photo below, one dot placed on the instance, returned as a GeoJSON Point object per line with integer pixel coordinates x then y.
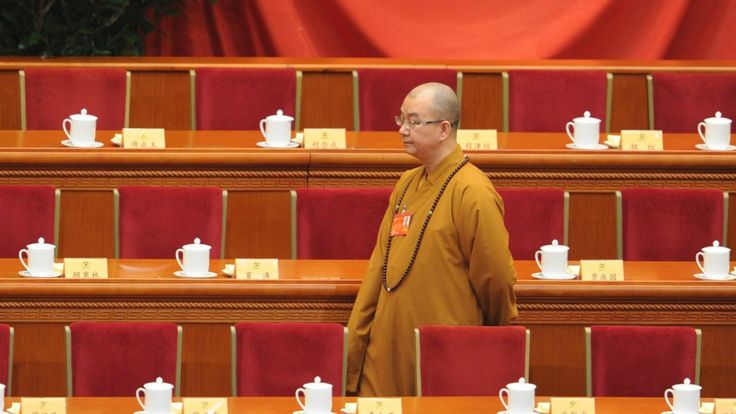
{"type": "Point", "coordinates": [274, 359]}
{"type": "Point", "coordinates": [533, 217]}
{"type": "Point", "coordinates": [53, 94]}
{"type": "Point", "coordinates": [470, 360]}
{"type": "Point", "coordinates": [670, 224]}
{"type": "Point", "coordinates": [240, 98]}
{"type": "Point", "coordinates": [114, 359]}
{"type": "Point", "coordinates": [681, 100]}
{"type": "Point", "coordinates": [640, 361]}
{"type": "Point", "coordinates": [26, 213]}
{"type": "Point", "coordinates": [6, 347]}
{"type": "Point", "coordinates": [545, 100]}
{"type": "Point", "coordinates": [155, 221]}
{"type": "Point", "coordinates": [382, 91]}
{"type": "Point", "coordinates": [339, 223]}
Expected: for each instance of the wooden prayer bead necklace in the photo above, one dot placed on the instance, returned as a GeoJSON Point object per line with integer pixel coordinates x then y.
{"type": "Point", "coordinates": [384, 270]}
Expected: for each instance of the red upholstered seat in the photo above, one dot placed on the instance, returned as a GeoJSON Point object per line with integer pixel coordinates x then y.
{"type": "Point", "coordinates": [114, 359]}
{"type": "Point", "coordinates": [6, 357]}
{"type": "Point", "coordinates": [670, 224]}
{"type": "Point", "coordinates": [155, 221]}
{"type": "Point", "coordinates": [274, 359]}
{"type": "Point", "coordinates": [26, 213]}
{"type": "Point", "coordinates": [640, 361]}
{"type": "Point", "coordinates": [469, 360]}
{"type": "Point", "coordinates": [681, 100]}
{"type": "Point", "coordinates": [545, 100]}
{"type": "Point", "coordinates": [53, 94]}
{"type": "Point", "coordinates": [533, 217]}
{"type": "Point", "coordinates": [381, 92]}
{"type": "Point", "coordinates": [240, 98]}
{"type": "Point", "coordinates": [338, 223]}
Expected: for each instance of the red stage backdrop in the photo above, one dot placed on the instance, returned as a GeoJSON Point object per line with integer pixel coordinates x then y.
{"type": "Point", "coordinates": [461, 29]}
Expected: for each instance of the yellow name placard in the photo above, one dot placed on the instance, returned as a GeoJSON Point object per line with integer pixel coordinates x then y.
{"type": "Point", "coordinates": [572, 405]}
{"type": "Point", "coordinates": [257, 269]}
{"type": "Point", "coordinates": [85, 268]}
{"type": "Point", "coordinates": [379, 405]}
{"type": "Point", "coordinates": [641, 140]}
{"type": "Point", "coordinates": [144, 138]}
{"type": "Point", "coordinates": [725, 405]}
{"type": "Point", "coordinates": [55, 405]}
{"type": "Point", "coordinates": [324, 138]}
{"type": "Point", "coordinates": [205, 405]}
{"type": "Point", "coordinates": [477, 139]}
{"type": "Point", "coordinates": [602, 270]}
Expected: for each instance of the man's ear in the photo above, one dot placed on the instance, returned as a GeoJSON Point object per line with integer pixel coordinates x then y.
{"type": "Point", "coordinates": [445, 130]}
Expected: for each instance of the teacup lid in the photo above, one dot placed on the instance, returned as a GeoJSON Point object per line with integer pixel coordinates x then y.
{"type": "Point", "coordinates": [280, 117]}
{"type": "Point", "coordinates": [718, 119]}
{"type": "Point", "coordinates": [555, 247]}
{"type": "Point", "coordinates": [586, 119]}
{"type": "Point", "coordinates": [715, 248]}
{"type": "Point", "coordinates": [687, 386]}
{"type": "Point", "coordinates": [83, 116]}
{"type": "Point", "coordinates": [317, 384]}
{"type": "Point", "coordinates": [159, 385]}
{"type": "Point", "coordinates": [41, 244]}
{"type": "Point", "coordinates": [522, 385]}
{"type": "Point", "coordinates": [197, 245]}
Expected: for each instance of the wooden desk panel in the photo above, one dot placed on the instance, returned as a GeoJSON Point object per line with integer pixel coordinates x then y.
{"type": "Point", "coordinates": [409, 405]}
{"type": "Point", "coordinates": [655, 293]}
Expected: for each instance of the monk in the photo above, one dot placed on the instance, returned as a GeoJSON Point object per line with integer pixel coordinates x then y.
{"type": "Point", "coordinates": [441, 257]}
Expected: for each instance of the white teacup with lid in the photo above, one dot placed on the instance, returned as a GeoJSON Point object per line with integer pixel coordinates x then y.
{"type": "Point", "coordinates": [715, 132]}
{"type": "Point", "coordinates": [158, 397]}
{"type": "Point", "coordinates": [586, 131]}
{"type": "Point", "coordinates": [317, 397]}
{"type": "Point", "coordinates": [686, 397]}
{"type": "Point", "coordinates": [195, 258]}
{"type": "Point", "coordinates": [277, 129]}
{"type": "Point", "coordinates": [715, 261]}
{"type": "Point", "coordinates": [520, 397]}
{"type": "Point", "coordinates": [81, 129]}
{"type": "Point", "coordinates": [553, 262]}
{"type": "Point", "coordinates": [40, 258]}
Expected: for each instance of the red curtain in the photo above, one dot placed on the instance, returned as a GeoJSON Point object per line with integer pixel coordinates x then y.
{"type": "Point", "coordinates": [460, 29]}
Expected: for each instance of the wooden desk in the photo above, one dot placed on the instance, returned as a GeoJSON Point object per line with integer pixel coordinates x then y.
{"type": "Point", "coordinates": [654, 293]}
{"type": "Point", "coordinates": [410, 405]}
{"type": "Point", "coordinates": [259, 179]}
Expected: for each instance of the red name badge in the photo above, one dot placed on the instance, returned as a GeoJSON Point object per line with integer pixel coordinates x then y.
{"type": "Point", "coordinates": [400, 224]}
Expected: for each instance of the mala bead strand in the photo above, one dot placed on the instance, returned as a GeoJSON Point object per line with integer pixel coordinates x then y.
{"type": "Point", "coordinates": [384, 269]}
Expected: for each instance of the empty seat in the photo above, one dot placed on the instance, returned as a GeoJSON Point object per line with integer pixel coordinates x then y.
{"type": "Point", "coordinates": [52, 94]}
{"type": "Point", "coordinates": [230, 99]}
{"type": "Point", "coordinates": [380, 93]}
{"type": "Point", "coordinates": [545, 100]}
{"type": "Point", "coordinates": [640, 361]}
{"type": "Point", "coordinates": [152, 222]}
{"type": "Point", "coordinates": [470, 360]}
{"type": "Point", "coordinates": [106, 359]}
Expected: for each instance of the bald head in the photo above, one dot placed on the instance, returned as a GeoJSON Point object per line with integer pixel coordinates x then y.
{"type": "Point", "coordinates": [444, 103]}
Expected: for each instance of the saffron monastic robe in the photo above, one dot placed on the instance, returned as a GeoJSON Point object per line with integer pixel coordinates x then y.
{"type": "Point", "coordinates": [463, 275]}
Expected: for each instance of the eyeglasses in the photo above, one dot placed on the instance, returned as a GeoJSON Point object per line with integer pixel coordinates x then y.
{"type": "Point", "coordinates": [411, 123]}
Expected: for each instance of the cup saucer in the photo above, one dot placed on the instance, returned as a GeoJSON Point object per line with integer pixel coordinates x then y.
{"type": "Point", "coordinates": [26, 273]}
{"type": "Point", "coordinates": [705, 147]}
{"type": "Point", "coordinates": [702, 276]}
{"type": "Point", "coordinates": [208, 275]}
{"type": "Point", "coordinates": [70, 144]}
{"type": "Point", "coordinates": [566, 276]}
{"type": "Point", "coordinates": [264, 144]}
{"type": "Point", "coordinates": [598, 147]}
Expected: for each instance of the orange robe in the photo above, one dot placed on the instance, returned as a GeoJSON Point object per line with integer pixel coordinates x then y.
{"type": "Point", "coordinates": [463, 275]}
